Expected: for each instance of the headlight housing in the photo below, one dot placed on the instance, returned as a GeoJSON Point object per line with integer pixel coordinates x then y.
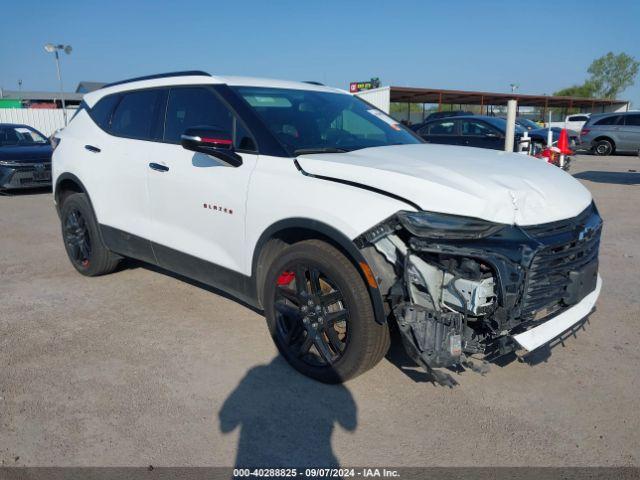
{"type": "Point", "coordinates": [445, 226]}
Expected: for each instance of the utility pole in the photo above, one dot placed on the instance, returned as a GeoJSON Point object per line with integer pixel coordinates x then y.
{"type": "Point", "coordinates": [512, 106]}
{"type": "Point", "coordinates": [51, 48]}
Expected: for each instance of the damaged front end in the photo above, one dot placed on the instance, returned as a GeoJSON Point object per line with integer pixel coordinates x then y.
{"type": "Point", "coordinates": [459, 288]}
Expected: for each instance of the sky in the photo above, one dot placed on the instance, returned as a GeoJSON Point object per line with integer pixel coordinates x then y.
{"type": "Point", "coordinates": [473, 45]}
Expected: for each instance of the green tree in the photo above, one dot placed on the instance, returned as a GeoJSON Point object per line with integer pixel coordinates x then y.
{"type": "Point", "coordinates": [587, 90]}
{"type": "Point", "coordinates": [612, 74]}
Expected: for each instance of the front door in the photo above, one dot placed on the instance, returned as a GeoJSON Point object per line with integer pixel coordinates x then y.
{"type": "Point", "coordinates": [198, 201]}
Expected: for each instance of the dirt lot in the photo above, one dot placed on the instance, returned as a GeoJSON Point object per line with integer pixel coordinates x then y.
{"type": "Point", "coordinates": [139, 368]}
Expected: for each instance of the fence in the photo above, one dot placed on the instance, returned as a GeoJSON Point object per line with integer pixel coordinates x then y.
{"type": "Point", "coordinates": [43, 119]}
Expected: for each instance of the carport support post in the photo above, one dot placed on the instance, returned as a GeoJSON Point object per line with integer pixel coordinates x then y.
{"type": "Point", "coordinates": [512, 106]}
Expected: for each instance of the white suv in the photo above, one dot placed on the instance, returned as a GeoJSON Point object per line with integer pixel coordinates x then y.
{"type": "Point", "coordinates": [338, 222]}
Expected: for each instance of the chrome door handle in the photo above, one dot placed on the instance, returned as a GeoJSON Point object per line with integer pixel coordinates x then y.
{"type": "Point", "coordinates": [92, 149]}
{"type": "Point", "coordinates": [158, 168]}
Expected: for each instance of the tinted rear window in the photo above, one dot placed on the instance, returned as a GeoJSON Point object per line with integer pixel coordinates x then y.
{"type": "Point", "coordinates": [632, 120]}
{"type": "Point", "coordinates": [136, 116]}
{"type": "Point", "coordinates": [101, 111]}
{"type": "Point", "coordinates": [612, 120]}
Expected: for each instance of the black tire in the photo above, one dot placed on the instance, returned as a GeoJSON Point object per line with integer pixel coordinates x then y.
{"type": "Point", "coordinates": [339, 325]}
{"type": "Point", "coordinates": [82, 239]}
{"type": "Point", "coordinates": [603, 147]}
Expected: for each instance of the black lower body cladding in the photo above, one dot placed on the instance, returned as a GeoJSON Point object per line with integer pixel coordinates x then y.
{"type": "Point", "coordinates": [454, 299]}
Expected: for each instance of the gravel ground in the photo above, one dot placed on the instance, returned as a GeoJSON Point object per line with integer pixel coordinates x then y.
{"type": "Point", "coordinates": [139, 368]}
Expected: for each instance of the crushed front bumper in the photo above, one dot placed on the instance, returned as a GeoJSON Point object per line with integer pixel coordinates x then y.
{"type": "Point", "coordinates": [554, 327]}
{"type": "Point", "coordinates": [455, 300]}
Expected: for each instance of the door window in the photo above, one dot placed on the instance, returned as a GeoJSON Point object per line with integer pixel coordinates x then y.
{"type": "Point", "coordinates": [475, 128]}
{"type": "Point", "coordinates": [136, 115]}
{"type": "Point", "coordinates": [578, 118]}
{"type": "Point", "coordinates": [612, 120]}
{"type": "Point", "coordinates": [632, 120]}
{"type": "Point", "coordinates": [199, 107]}
{"type": "Point", "coordinates": [444, 127]}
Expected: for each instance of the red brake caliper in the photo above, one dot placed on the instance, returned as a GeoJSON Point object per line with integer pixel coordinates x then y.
{"type": "Point", "coordinates": [285, 278]}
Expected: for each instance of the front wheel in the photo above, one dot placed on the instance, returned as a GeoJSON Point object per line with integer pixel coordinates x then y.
{"type": "Point", "coordinates": [320, 314]}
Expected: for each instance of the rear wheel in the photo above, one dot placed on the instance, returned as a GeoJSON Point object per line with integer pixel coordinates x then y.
{"type": "Point", "coordinates": [320, 315]}
{"type": "Point", "coordinates": [82, 239]}
{"type": "Point", "coordinates": [603, 147]}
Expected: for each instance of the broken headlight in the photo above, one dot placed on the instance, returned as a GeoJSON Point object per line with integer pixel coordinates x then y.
{"type": "Point", "coordinates": [444, 226]}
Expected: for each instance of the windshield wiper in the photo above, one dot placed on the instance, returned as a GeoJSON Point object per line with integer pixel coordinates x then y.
{"type": "Point", "coordinates": [308, 151]}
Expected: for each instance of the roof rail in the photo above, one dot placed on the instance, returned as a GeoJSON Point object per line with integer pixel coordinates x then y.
{"type": "Point", "coordinates": [186, 73]}
{"type": "Point", "coordinates": [313, 82]}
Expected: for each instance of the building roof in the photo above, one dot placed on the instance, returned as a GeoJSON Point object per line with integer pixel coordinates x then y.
{"type": "Point", "coordinates": [40, 96]}
{"type": "Point", "coordinates": [86, 87]}
{"type": "Point", "coordinates": [437, 95]}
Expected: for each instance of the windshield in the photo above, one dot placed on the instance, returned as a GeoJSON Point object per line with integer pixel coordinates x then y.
{"type": "Point", "coordinates": [310, 121]}
{"type": "Point", "coordinates": [14, 135]}
{"type": "Point", "coordinates": [528, 124]}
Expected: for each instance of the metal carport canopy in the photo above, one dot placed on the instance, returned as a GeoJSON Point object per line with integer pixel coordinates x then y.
{"type": "Point", "coordinates": [462, 97]}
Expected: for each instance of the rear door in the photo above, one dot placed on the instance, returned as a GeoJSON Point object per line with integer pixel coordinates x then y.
{"type": "Point", "coordinates": [443, 131]}
{"type": "Point", "coordinates": [477, 133]}
{"type": "Point", "coordinates": [119, 157]}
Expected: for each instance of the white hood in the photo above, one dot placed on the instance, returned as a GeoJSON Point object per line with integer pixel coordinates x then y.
{"type": "Point", "coordinates": [497, 186]}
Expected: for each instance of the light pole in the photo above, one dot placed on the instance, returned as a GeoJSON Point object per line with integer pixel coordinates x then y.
{"type": "Point", "coordinates": [51, 48]}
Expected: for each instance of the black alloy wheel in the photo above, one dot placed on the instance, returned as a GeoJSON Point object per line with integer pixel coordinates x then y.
{"type": "Point", "coordinates": [77, 238]}
{"type": "Point", "coordinates": [312, 318]}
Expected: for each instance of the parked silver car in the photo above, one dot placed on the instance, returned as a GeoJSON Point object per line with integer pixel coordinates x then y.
{"type": "Point", "coordinates": [610, 133]}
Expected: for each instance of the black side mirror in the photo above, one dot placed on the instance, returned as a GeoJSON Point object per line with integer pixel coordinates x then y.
{"type": "Point", "coordinates": [217, 143]}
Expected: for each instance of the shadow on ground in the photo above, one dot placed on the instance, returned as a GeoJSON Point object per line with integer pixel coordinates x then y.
{"type": "Point", "coordinates": [286, 419]}
{"type": "Point", "coordinates": [616, 178]}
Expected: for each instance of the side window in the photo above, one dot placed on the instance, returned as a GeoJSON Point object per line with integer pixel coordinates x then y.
{"type": "Point", "coordinates": [200, 107]}
{"type": "Point", "coordinates": [612, 120]}
{"type": "Point", "coordinates": [632, 120]}
{"type": "Point", "coordinates": [444, 127]}
{"type": "Point", "coordinates": [475, 128]}
{"type": "Point", "coordinates": [101, 111]}
{"type": "Point", "coordinates": [136, 115]}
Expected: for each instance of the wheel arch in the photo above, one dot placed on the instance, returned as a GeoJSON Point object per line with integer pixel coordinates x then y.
{"type": "Point", "coordinates": [292, 230]}
{"type": "Point", "coordinates": [608, 139]}
{"type": "Point", "coordinates": [66, 184]}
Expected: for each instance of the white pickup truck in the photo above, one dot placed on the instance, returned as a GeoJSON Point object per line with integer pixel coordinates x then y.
{"type": "Point", "coordinates": [571, 122]}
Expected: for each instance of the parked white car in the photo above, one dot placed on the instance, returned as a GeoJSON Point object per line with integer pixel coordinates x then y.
{"type": "Point", "coordinates": [314, 206]}
{"type": "Point", "coordinates": [571, 122]}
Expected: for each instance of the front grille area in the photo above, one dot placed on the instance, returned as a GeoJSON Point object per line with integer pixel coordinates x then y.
{"type": "Point", "coordinates": [562, 226]}
{"type": "Point", "coordinates": [571, 247]}
{"type": "Point", "coordinates": [32, 168]}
